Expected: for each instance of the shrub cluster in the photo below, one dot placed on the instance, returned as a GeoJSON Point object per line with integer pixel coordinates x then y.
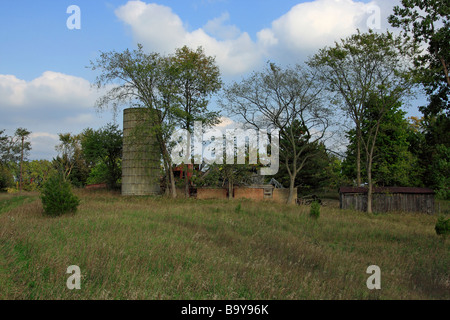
{"type": "Point", "coordinates": [442, 226]}
{"type": "Point", "coordinates": [315, 210]}
{"type": "Point", "coordinates": [57, 197]}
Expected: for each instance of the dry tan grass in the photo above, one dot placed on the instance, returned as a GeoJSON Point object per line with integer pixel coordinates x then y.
{"type": "Point", "coordinates": [158, 248]}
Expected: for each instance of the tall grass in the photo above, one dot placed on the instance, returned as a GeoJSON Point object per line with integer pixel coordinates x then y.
{"type": "Point", "coordinates": [158, 248]}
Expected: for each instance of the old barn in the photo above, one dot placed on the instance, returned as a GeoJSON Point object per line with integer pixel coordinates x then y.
{"type": "Point", "coordinates": [387, 199]}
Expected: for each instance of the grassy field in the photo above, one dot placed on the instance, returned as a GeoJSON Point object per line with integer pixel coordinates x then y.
{"type": "Point", "coordinates": [158, 248]}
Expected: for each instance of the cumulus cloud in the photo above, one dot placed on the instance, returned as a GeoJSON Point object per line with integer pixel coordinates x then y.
{"type": "Point", "coordinates": [311, 25]}
{"type": "Point", "coordinates": [307, 27]}
{"type": "Point", "coordinates": [46, 90]}
{"type": "Point", "coordinates": [159, 29]}
{"type": "Point", "coordinates": [50, 104]}
{"type": "Point", "coordinates": [43, 145]}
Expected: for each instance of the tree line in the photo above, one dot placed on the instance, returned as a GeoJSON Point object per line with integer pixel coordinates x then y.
{"type": "Point", "coordinates": [90, 157]}
{"type": "Point", "coordinates": [357, 88]}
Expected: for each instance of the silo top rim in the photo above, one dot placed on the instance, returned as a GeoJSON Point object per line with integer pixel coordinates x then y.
{"type": "Point", "coordinates": [133, 109]}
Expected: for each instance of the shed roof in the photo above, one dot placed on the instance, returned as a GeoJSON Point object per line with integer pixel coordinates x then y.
{"type": "Point", "coordinates": [387, 190]}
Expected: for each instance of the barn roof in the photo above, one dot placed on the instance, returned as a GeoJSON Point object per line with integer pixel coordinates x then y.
{"type": "Point", "coordinates": [387, 190]}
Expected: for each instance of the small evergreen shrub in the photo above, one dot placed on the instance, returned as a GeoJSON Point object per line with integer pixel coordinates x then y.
{"type": "Point", "coordinates": [57, 197]}
{"type": "Point", "coordinates": [315, 210]}
{"type": "Point", "coordinates": [442, 226]}
{"type": "Point", "coordinates": [6, 178]}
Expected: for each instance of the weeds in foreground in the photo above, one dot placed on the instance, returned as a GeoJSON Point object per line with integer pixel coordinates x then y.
{"type": "Point", "coordinates": [157, 248]}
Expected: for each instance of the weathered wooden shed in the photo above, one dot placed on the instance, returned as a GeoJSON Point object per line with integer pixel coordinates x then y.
{"type": "Point", "coordinates": [387, 199]}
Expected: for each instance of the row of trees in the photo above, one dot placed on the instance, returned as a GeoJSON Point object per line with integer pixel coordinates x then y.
{"type": "Point", "coordinates": [13, 151]}
{"type": "Point", "coordinates": [176, 88]}
{"type": "Point", "coordinates": [367, 78]}
{"type": "Point", "coordinates": [93, 156]}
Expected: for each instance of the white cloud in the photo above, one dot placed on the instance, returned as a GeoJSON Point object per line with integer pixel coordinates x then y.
{"type": "Point", "coordinates": [82, 118]}
{"type": "Point", "coordinates": [51, 89]}
{"type": "Point", "coordinates": [11, 90]}
{"type": "Point", "coordinates": [159, 29]}
{"type": "Point", "coordinates": [217, 28]}
{"type": "Point", "coordinates": [314, 24]}
{"type": "Point", "coordinates": [224, 123]}
{"type": "Point", "coordinates": [305, 28]}
{"type": "Point", "coordinates": [50, 104]}
{"type": "Point", "coordinates": [43, 145]}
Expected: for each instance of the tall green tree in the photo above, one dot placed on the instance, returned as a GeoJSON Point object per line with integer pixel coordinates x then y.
{"type": "Point", "coordinates": [69, 152]}
{"type": "Point", "coordinates": [143, 80]}
{"type": "Point", "coordinates": [367, 71]}
{"type": "Point", "coordinates": [394, 164]}
{"type": "Point", "coordinates": [435, 154]}
{"type": "Point", "coordinates": [104, 146]}
{"type": "Point", "coordinates": [314, 161]}
{"type": "Point", "coordinates": [429, 24]}
{"type": "Point", "coordinates": [197, 78]}
{"type": "Point", "coordinates": [36, 173]}
{"type": "Point", "coordinates": [6, 178]}
{"type": "Point", "coordinates": [13, 151]}
{"type": "Point", "coordinates": [279, 98]}
{"type": "Point", "coordinates": [25, 146]}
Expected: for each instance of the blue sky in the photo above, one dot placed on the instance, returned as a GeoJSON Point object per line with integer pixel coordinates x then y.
{"type": "Point", "coordinates": [44, 82]}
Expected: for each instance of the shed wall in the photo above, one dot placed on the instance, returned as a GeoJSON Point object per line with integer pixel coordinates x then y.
{"type": "Point", "coordinates": [211, 193]}
{"type": "Point", "coordinates": [385, 202]}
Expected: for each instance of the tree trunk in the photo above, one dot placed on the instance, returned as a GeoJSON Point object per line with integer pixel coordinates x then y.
{"type": "Point", "coordinates": [369, 168]}
{"type": "Point", "coordinates": [186, 179]}
{"type": "Point", "coordinates": [291, 190]}
{"type": "Point", "coordinates": [167, 179]}
{"type": "Point", "coordinates": [166, 158]}
{"type": "Point", "coordinates": [230, 190]}
{"type": "Point", "coordinates": [369, 190]}
{"type": "Point", "coordinates": [358, 156]}
{"type": "Point", "coordinates": [186, 184]}
{"type": "Point", "coordinates": [172, 182]}
{"type": "Point", "coordinates": [21, 166]}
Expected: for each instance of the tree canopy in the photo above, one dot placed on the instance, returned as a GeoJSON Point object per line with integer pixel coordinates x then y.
{"type": "Point", "coordinates": [427, 21]}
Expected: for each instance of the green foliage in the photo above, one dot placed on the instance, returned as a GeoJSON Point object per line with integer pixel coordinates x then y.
{"type": "Point", "coordinates": [442, 226]}
{"type": "Point", "coordinates": [71, 160]}
{"type": "Point", "coordinates": [98, 174]}
{"type": "Point", "coordinates": [35, 173]}
{"type": "Point", "coordinates": [430, 143]}
{"type": "Point", "coordinates": [428, 22]}
{"type": "Point", "coordinates": [217, 175]}
{"type": "Point", "coordinates": [314, 210]}
{"type": "Point", "coordinates": [175, 88]}
{"type": "Point", "coordinates": [102, 149]}
{"type": "Point", "coordinates": [316, 164]}
{"type": "Point", "coordinates": [196, 77]}
{"type": "Point", "coordinates": [57, 197]}
{"type": "Point", "coordinates": [6, 178]}
{"type": "Point", "coordinates": [366, 70]}
{"type": "Point", "coordinates": [441, 171]}
{"type": "Point", "coordinates": [286, 99]}
{"type": "Point", "coordinates": [13, 152]}
{"type": "Point", "coordinates": [395, 164]}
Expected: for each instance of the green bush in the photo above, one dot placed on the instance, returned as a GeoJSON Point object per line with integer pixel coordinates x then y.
{"type": "Point", "coordinates": [57, 197]}
{"type": "Point", "coordinates": [315, 210]}
{"type": "Point", "coordinates": [442, 226]}
{"type": "Point", "coordinates": [6, 178]}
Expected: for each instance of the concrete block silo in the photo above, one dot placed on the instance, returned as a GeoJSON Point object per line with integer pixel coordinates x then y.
{"type": "Point", "coordinates": [141, 154]}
